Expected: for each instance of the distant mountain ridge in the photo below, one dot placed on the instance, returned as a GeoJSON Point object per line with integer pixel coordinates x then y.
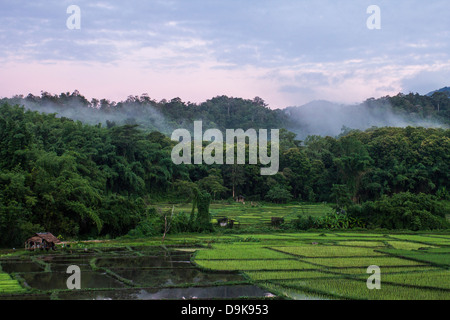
{"type": "Point", "coordinates": [445, 90]}
{"type": "Point", "coordinates": [322, 118]}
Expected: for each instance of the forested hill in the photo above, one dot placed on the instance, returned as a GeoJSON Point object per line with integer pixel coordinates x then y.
{"type": "Point", "coordinates": [80, 180]}
{"type": "Point", "coordinates": [164, 116]}
{"type": "Point", "coordinates": [445, 90]}
{"type": "Point", "coordinates": [326, 118]}
{"type": "Point", "coordinates": [222, 112]}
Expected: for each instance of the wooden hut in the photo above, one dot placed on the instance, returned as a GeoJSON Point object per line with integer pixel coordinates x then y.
{"type": "Point", "coordinates": [43, 240]}
{"type": "Point", "coordinates": [240, 199]}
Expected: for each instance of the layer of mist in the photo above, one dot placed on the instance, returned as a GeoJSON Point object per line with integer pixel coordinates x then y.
{"type": "Point", "coordinates": [128, 112]}
{"type": "Point", "coordinates": [320, 118]}
{"type": "Point", "coordinates": [324, 118]}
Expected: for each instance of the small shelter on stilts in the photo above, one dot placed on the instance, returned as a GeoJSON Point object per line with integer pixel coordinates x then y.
{"type": "Point", "coordinates": [44, 240]}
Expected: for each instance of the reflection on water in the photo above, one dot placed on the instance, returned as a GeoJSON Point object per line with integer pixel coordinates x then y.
{"type": "Point", "coordinates": [57, 280]}
{"type": "Point", "coordinates": [147, 274]}
{"type": "Point", "coordinates": [166, 277]}
{"type": "Point", "coordinates": [217, 292]}
{"type": "Point", "coordinates": [21, 266]}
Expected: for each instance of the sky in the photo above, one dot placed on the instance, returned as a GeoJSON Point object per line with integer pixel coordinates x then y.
{"type": "Point", "coordinates": [288, 52]}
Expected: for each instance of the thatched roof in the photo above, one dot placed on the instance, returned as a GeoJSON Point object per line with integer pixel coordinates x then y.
{"type": "Point", "coordinates": [47, 236]}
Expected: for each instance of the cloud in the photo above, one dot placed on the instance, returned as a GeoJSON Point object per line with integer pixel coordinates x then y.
{"type": "Point", "coordinates": [296, 49]}
{"type": "Point", "coordinates": [427, 81]}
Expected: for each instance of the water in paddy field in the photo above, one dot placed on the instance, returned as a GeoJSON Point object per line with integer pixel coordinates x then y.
{"type": "Point", "coordinates": [216, 292]}
{"type": "Point", "coordinates": [134, 273]}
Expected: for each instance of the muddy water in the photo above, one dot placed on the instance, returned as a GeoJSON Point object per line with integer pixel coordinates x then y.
{"type": "Point", "coordinates": [126, 274]}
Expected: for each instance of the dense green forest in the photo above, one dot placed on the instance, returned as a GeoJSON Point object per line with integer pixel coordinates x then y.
{"type": "Point", "coordinates": [77, 179]}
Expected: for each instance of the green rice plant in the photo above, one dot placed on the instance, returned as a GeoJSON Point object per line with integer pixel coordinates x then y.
{"type": "Point", "coordinates": [369, 244]}
{"type": "Point", "coordinates": [427, 256]}
{"type": "Point", "coordinates": [253, 243]}
{"type": "Point", "coordinates": [313, 235]}
{"type": "Point", "coordinates": [385, 270]}
{"type": "Point", "coordinates": [361, 262]}
{"type": "Point", "coordinates": [405, 245]}
{"type": "Point", "coordinates": [437, 250]}
{"type": "Point", "coordinates": [240, 253]}
{"type": "Point", "coordinates": [9, 285]}
{"type": "Point", "coordinates": [424, 239]}
{"type": "Point", "coordinates": [216, 238]}
{"type": "Point", "coordinates": [253, 265]}
{"type": "Point", "coordinates": [249, 215]}
{"type": "Point", "coordinates": [293, 294]}
{"type": "Point", "coordinates": [438, 279]}
{"type": "Point", "coordinates": [357, 289]}
{"type": "Point", "coordinates": [285, 275]}
{"type": "Point", "coordinates": [328, 251]}
{"type": "Point", "coordinates": [266, 236]}
{"type": "Point", "coordinates": [359, 235]}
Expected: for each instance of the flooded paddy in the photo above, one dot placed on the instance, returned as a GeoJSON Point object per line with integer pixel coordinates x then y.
{"type": "Point", "coordinates": [124, 273]}
{"type": "Point", "coordinates": [216, 292]}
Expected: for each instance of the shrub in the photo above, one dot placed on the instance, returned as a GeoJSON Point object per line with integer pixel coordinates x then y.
{"type": "Point", "coordinates": [403, 211]}
{"type": "Point", "coordinates": [305, 223]}
{"type": "Point", "coordinates": [278, 194]}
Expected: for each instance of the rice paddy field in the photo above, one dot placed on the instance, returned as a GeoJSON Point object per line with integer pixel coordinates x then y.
{"type": "Point", "coordinates": [9, 285]}
{"type": "Point", "coordinates": [334, 265]}
{"type": "Point", "coordinates": [320, 265]}
{"type": "Point", "coordinates": [255, 213]}
{"type": "Point", "coordinates": [331, 265]}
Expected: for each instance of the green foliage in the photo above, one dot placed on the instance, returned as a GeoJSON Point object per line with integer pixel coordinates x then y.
{"type": "Point", "coordinates": [403, 211]}
{"type": "Point", "coordinates": [330, 221]}
{"type": "Point", "coordinates": [212, 184]}
{"type": "Point", "coordinates": [203, 219]}
{"type": "Point", "coordinates": [80, 180]}
{"type": "Point", "coordinates": [305, 223]}
{"type": "Point", "coordinates": [278, 194]}
{"type": "Point", "coordinates": [76, 180]}
{"type": "Point", "coordinates": [152, 225]}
